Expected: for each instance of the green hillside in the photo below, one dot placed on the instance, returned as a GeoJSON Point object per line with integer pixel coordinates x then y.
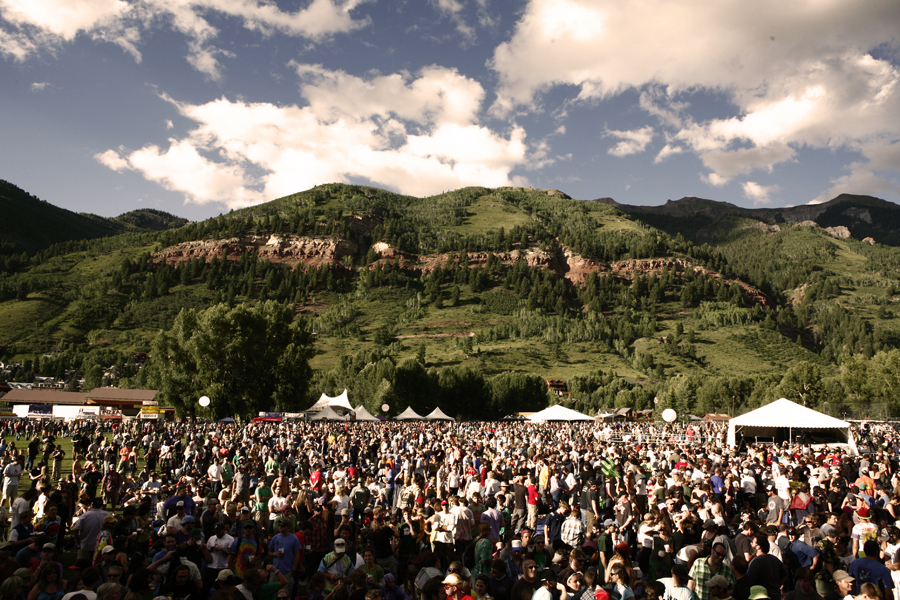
{"type": "Point", "coordinates": [150, 219]}
{"type": "Point", "coordinates": [472, 298]}
{"type": "Point", "coordinates": [30, 224]}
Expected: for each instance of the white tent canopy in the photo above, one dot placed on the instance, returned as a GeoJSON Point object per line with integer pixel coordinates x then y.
{"type": "Point", "coordinates": [438, 415]}
{"type": "Point", "coordinates": [326, 413]}
{"type": "Point", "coordinates": [786, 420]}
{"type": "Point", "coordinates": [362, 414]}
{"type": "Point", "coordinates": [338, 402]}
{"type": "Point", "coordinates": [558, 412]}
{"type": "Point", "coordinates": [408, 415]}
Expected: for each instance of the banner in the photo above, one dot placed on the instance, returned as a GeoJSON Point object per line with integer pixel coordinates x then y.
{"type": "Point", "coordinates": [40, 411]}
{"type": "Point", "coordinates": [91, 412]}
{"type": "Point", "coordinates": [271, 415]}
{"type": "Point", "coordinates": [110, 413]}
{"type": "Point", "coordinates": [6, 410]}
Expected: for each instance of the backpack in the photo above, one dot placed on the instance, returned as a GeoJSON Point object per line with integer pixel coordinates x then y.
{"type": "Point", "coordinates": [469, 554]}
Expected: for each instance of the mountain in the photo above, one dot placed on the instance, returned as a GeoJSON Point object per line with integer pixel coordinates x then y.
{"type": "Point", "coordinates": [150, 219]}
{"type": "Point", "coordinates": [706, 220]}
{"type": "Point", "coordinates": [486, 293]}
{"type": "Point", "coordinates": [30, 224]}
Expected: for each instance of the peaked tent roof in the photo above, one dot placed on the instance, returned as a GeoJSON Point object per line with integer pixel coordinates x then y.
{"type": "Point", "coordinates": [408, 415]}
{"type": "Point", "coordinates": [326, 413]}
{"type": "Point", "coordinates": [784, 413]}
{"type": "Point", "coordinates": [558, 412]}
{"type": "Point", "coordinates": [362, 414]}
{"type": "Point", "coordinates": [438, 415]}
{"type": "Point", "coordinates": [336, 402]}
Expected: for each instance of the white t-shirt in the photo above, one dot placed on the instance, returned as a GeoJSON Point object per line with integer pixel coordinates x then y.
{"type": "Point", "coordinates": [674, 592]}
{"type": "Point", "coordinates": [220, 549]}
{"type": "Point", "coordinates": [11, 474]}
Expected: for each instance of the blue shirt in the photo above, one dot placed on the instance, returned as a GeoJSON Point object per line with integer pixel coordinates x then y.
{"type": "Point", "coordinates": [804, 553]}
{"type": "Point", "coordinates": [867, 570]}
{"type": "Point", "coordinates": [290, 543]}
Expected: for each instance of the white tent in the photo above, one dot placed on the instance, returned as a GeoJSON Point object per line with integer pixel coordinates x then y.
{"type": "Point", "coordinates": [362, 414]}
{"type": "Point", "coordinates": [326, 401]}
{"type": "Point", "coordinates": [558, 413]}
{"type": "Point", "coordinates": [326, 413]}
{"type": "Point", "coordinates": [784, 420]}
{"type": "Point", "coordinates": [408, 415]}
{"type": "Point", "coordinates": [438, 415]}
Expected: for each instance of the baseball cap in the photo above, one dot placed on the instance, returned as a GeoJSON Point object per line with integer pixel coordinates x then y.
{"type": "Point", "coordinates": [453, 579]}
{"type": "Point", "coordinates": [841, 575]}
{"type": "Point", "coordinates": [681, 572]}
{"type": "Point", "coordinates": [179, 504]}
{"type": "Point", "coordinates": [714, 581]}
{"type": "Point", "coordinates": [187, 519]}
{"type": "Point", "coordinates": [547, 575]}
{"type": "Point", "coordinates": [224, 574]}
{"type": "Point", "coordinates": [108, 550]}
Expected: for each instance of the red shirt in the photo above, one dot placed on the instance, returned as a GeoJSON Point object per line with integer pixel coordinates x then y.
{"type": "Point", "coordinates": [315, 480]}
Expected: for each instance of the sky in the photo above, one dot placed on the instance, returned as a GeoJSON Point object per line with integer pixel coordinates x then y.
{"type": "Point", "coordinates": [196, 107]}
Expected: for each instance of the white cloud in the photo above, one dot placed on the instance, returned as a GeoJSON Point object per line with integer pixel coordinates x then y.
{"type": "Point", "coordinates": [438, 95]}
{"type": "Point", "coordinates": [667, 151]}
{"type": "Point", "coordinates": [37, 25]}
{"type": "Point", "coordinates": [39, 86]}
{"type": "Point", "coordinates": [111, 159]}
{"type": "Point", "coordinates": [759, 194]}
{"type": "Point", "coordinates": [633, 142]}
{"type": "Point", "coordinates": [806, 74]}
{"type": "Point", "coordinates": [454, 10]}
{"type": "Point", "coordinates": [875, 178]}
{"type": "Point", "coordinates": [418, 135]}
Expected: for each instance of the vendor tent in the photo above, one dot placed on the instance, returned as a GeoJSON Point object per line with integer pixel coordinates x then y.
{"type": "Point", "coordinates": [784, 420]}
{"type": "Point", "coordinates": [362, 414]}
{"type": "Point", "coordinates": [438, 415]}
{"type": "Point", "coordinates": [338, 403]}
{"type": "Point", "coordinates": [558, 413]}
{"type": "Point", "coordinates": [326, 413]}
{"type": "Point", "coordinates": [408, 415]}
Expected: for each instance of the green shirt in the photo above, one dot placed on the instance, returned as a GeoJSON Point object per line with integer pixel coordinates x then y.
{"type": "Point", "coordinates": [263, 494]}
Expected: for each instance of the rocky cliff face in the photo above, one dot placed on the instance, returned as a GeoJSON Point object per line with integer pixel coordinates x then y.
{"type": "Point", "coordinates": [275, 248]}
{"type": "Point", "coordinates": [295, 250]}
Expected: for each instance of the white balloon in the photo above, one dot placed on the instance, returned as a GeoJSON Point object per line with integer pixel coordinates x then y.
{"type": "Point", "coordinates": [204, 400]}
{"type": "Point", "coordinates": [385, 408]}
{"type": "Point", "coordinates": [669, 415]}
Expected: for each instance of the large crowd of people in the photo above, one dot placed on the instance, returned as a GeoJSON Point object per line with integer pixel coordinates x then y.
{"type": "Point", "coordinates": [437, 510]}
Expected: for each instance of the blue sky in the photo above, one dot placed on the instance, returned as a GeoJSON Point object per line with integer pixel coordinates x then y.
{"type": "Point", "coordinates": [196, 107]}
